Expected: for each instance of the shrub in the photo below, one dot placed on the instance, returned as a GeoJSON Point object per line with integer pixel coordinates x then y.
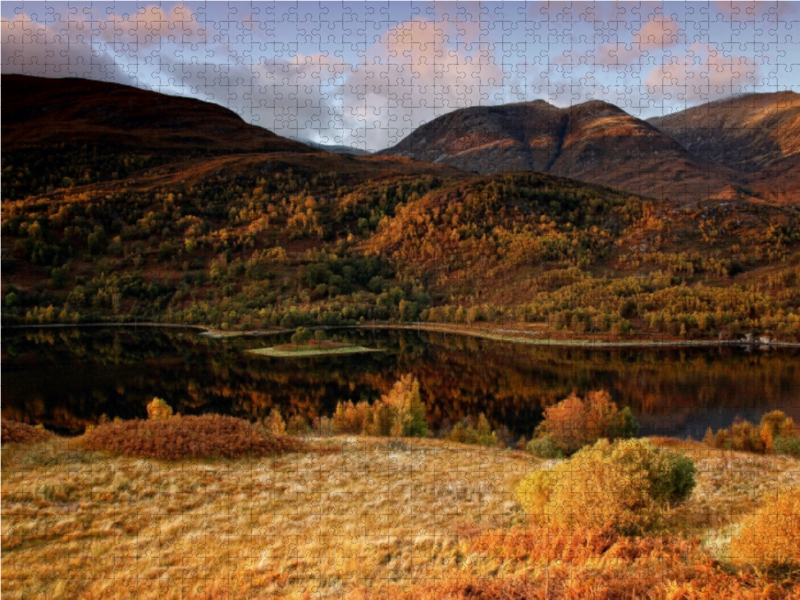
{"type": "Point", "coordinates": [207, 436]}
{"type": "Point", "coordinates": [297, 425]}
{"type": "Point", "coordinates": [746, 437]}
{"type": "Point", "coordinates": [274, 423]}
{"type": "Point", "coordinates": [410, 411]}
{"type": "Point", "coordinates": [465, 432]}
{"type": "Point", "coordinates": [158, 410]}
{"type": "Point", "coordinates": [770, 538]}
{"type": "Point", "coordinates": [778, 424]}
{"type": "Point", "coordinates": [574, 423]}
{"type": "Point", "coordinates": [301, 336]}
{"type": "Point", "coordinates": [14, 431]}
{"type": "Point", "coordinates": [787, 445]}
{"type": "Point", "coordinates": [626, 485]}
{"type": "Point", "coordinates": [544, 447]}
{"type": "Point", "coordinates": [352, 418]}
{"type": "Point", "coordinates": [401, 412]}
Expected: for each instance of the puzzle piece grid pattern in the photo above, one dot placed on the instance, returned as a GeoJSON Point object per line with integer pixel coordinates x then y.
{"type": "Point", "coordinates": [366, 75]}
{"type": "Point", "coordinates": [365, 88]}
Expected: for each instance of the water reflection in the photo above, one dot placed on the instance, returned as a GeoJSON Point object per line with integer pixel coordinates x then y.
{"type": "Point", "coordinates": [68, 378]}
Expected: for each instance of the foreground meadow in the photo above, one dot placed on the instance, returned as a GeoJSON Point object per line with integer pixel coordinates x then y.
{"type": "Point", "coordinates": [349, 516]}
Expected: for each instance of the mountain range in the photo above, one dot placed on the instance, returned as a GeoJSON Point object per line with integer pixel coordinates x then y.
{"type": "Point", "coordinates": [124, 203]}
{"type": "Point", "coordinates": [743, 147]}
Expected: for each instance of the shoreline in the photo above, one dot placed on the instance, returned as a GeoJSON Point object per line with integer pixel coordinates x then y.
{"type": "Point", "coordinates": [505, 335]}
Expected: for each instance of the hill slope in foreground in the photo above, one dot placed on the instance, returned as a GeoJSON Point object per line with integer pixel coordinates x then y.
{"type": "Point", "coordinates": [286, 238]}
{"type": "Point", "coordinates": [355, 518]}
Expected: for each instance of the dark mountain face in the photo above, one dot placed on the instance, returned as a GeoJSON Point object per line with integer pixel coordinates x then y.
{"type": "Point", "coordinates": [40, 112]}
{"type": "Point", "coordinates": [594, 142]}
{"type": "Point", "coordinates": [747, 133]}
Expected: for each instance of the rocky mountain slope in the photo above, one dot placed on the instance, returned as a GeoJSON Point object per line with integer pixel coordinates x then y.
{"type": "Point", "coordinates": [594, 142]}
{"type": "Point", "coordinates": [747, 133]}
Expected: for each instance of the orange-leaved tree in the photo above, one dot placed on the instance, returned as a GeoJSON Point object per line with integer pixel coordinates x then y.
{"type": "Point", "coordinates": [574, 423]}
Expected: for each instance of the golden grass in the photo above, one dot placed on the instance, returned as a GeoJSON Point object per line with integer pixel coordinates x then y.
{"type": "Point", "coordinates": [77, 524]}
{"type": "Point", "coordinates": [771, 537]}
{"type": "Point", "coordinates": [594, 564]}
{"type": "Point", "coordinates": [356, 514]}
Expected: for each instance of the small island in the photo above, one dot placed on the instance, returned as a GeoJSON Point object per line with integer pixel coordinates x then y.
{"type": "Point", "coordinates": [303, 345]}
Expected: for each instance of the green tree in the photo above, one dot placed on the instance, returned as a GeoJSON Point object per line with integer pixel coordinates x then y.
{"type": "Point", "coordinates": [301, 336]}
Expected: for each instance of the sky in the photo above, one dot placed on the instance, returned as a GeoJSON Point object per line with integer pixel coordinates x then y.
{"type": "Point", "coordinates": [367, 74]}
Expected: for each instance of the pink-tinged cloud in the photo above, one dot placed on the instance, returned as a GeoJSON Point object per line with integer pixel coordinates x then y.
{"type": "Point", "coordinates": [151, 25]}
{"type": "Point", "coordinates": [703, 73]}
{"type": "Point", "coordinates": [659, 32]}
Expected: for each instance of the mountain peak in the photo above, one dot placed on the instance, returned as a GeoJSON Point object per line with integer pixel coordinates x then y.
{"type": "Point", "coordinates": [594, 141]}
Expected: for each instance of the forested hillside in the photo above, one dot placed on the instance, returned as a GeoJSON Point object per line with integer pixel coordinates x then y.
{"type": "Point", "coordinates": [239, 238]}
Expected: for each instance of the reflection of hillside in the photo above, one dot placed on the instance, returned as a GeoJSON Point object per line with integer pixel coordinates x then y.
{"type": "Point", "coordinates": [68, 378]}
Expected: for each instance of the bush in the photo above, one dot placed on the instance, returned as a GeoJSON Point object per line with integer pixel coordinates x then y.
{"type": "Point", "coordinates": [207, 436]}
{"type": "Point", "coordinates": [14, 431]}
{"type": "Point", "coordinates": [778, 424]}
{"type": "Point", "coordinates": [301, 336]}
{"type": "Point", "coordinates": [158, 410]}
{"type": "Point", "coordinates": [771, 537]}
{"type": "Point", "coordinates": [297, 425]}
{"type": "Point", "coordinates": [401, 412]}
{"type": "Point", "coordinates": [787, 445]}
{"type": "Point", "coordinates": [574, 423]}
{"type": "Point", "coordinates": [481, 434]}
{"type": "Point", "coordinates": [746, 437]}
{"type": "Point", "coordinates": [544, 447]}
{"type": "Point", "coordinates": [274, 423]}
{"type": "Point", "coordinates": [626, 485]}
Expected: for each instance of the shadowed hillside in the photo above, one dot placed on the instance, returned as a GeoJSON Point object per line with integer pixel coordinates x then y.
{"type": "Point", "coordinates": [58, 132]}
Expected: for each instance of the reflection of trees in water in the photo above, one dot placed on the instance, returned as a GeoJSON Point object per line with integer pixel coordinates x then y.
{"type": "Point", "coordinates": [117, 371]}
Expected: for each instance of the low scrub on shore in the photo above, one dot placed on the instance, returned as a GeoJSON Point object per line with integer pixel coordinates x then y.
{"type": "Point", "coordinates": [775, 433]}
{"type": "Point", "coordinates": [368, 517]}
{"type": "Point", "coordinates": [586, 563]}
{"type": "Point", "coordinates": [13, 431]}
{"type": "Point", "coordinates": [399, 413]}
{"type": "Point", "coordinates": [206, 436]}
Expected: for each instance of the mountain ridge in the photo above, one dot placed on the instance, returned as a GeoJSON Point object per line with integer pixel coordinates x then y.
{"type": "Point", "coordinates": [748, 132]}
{"type": "Point", "coordinates": [594, 141]}
{"type": "Point", "coordinates": [39, 111]}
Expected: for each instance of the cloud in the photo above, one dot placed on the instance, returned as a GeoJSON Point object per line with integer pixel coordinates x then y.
{"type": "Point", "coordinates": [32, 48]}
{"type": "Point", "coordinates": [369, 77]}
{"type": "Point", "coordinates": [659, 32]}
{"type": "Point", "coordinates": [703, 73]}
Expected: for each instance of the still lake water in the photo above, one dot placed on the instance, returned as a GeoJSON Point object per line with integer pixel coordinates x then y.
{"type": "Point", "coordinates": [67, 378]}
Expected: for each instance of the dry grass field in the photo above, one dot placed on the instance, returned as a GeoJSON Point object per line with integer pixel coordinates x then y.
{"type": "Point", "coordinates": [362, 517]}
